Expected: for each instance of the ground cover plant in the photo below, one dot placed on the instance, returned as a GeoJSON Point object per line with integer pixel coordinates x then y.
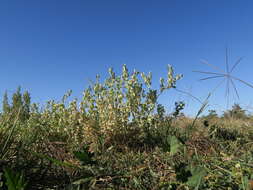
{"type": "Point", "coordinates": [119, 137]}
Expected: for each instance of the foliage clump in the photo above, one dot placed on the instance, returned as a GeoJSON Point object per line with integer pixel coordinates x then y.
{"type": "Point", "coordinates": [20, 104]}
{"type": "Point", "coordinates": [123, 105]}
{"type": "Point", "coordinates": [236, 112]}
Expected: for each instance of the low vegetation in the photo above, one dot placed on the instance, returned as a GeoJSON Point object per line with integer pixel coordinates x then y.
{"type": "Point", "coordinates": [119, 137]}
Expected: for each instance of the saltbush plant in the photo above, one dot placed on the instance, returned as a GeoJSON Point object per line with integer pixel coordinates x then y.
{"type": "Point", "coordinates": [122, 106]}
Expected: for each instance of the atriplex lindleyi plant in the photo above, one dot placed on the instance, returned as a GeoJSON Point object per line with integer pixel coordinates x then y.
{"type": "Point", "coordinates": [119, 100]}
{"type": "Point", "coordinates": [120, 104]}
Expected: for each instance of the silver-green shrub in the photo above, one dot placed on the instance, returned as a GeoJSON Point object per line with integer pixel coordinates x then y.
{"type": "Point", "coordinates": [112, 105]}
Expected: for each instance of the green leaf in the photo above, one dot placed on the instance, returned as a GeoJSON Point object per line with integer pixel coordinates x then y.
{"type": "Point", "coordinates": [197, 177]}
{"type": "Point", "coordinates": [245, 183]}
{"type": "Point", "coordinates": [175, 145]}
{"type": "Point", "coordinates": [14, 181]}
{"type": "Point", "coordinates": [84, 156]}
{"type": "Point", "coordinates": [9, 179]}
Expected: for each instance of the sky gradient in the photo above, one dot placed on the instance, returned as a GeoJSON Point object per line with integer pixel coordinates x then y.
{"type": "Point", "coordinates": [51, 46]}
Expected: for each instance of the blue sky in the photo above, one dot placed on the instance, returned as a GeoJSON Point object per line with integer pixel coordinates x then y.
{"type": "Point", "coordinates": [51, 46]}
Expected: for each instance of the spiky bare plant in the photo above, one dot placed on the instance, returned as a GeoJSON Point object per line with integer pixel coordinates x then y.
{"type": "Point", "coordinates": [226, 75]}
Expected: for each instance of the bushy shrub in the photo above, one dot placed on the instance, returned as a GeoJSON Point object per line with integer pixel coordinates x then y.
{"type": "Point", "coordinates": [122, 104]}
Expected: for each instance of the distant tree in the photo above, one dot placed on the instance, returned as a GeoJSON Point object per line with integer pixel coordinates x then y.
{"type": "Point", "coordinates": [212, 114]}
{"type": "Point", "coordinates": [17, 101]}
{"type": "Point", "coordinates": [26, 104]}
{"type": "Point", "coordinates": [236, 112]}
{"type": "Point", "coordinates": [20, 104]}
{"type": "Point", "coordinates": [6, 106]}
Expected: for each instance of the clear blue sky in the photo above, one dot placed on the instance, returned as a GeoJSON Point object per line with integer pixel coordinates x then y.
{"type": "Point", "coordinates": [51, 46]}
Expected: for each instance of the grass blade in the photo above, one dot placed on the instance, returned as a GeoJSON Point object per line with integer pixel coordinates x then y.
{"type": "Point", "coordinates": [233, 85]}
{"type": "Point", "coordinates": [212, 73]}
{"type": "Point", "coordinates": [242, 81]}
{"type": "Point", "coordinates": [210, 78]}
{"type": "Point", "coordinates": [213, 66]}
{"type": "Point", "coordinates": [236, 63]}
